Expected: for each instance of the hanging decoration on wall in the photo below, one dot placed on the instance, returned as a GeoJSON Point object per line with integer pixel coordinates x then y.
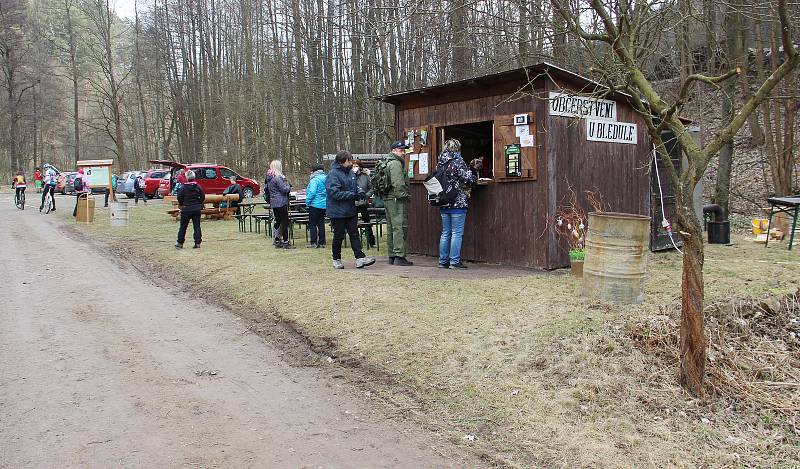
{"type": "Point", "coordinates": [423, 137]}
{"type": "Point", "coordinates": [513, 164]}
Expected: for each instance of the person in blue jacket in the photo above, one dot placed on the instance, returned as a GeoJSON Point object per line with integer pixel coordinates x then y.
{"type": "Point", "coordinates": [343, 192]}
{"type": "Point", "coordinates": [316, 197]}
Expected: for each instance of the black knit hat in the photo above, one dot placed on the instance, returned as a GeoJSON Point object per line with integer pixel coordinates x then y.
{"type": "Point", "coordinates": [317, 167]}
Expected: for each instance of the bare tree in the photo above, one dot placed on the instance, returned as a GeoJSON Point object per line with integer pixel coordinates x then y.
{"type": "Point", "coordinates": [622, 28]}
{"type": "Point", "coordinates": [107, 84]}
{"type": "Point", "coordinates": [13, 49]}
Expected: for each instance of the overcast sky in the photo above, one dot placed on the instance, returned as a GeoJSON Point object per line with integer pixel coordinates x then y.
{"type": "Point", "coordinates": [124, 8]}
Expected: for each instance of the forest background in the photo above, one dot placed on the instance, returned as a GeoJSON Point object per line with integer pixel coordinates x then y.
{"type": "Point", "coordinates": [241, 82]}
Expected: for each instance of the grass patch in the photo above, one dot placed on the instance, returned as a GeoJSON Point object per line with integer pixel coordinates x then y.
{"type": "Point", "coordinates": [539, 374]}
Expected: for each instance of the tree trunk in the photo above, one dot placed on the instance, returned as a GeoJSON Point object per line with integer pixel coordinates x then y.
{"type": "Point", "coordinates": [692, 336]}
{"type": "Point", "coordinates": [73, 61]}
{"type": "Point", "coordinates": [733, 58]}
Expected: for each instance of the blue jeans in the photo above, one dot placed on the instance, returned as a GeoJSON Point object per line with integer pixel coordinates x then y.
{"type": "Point", "coordinates": [452, 235]}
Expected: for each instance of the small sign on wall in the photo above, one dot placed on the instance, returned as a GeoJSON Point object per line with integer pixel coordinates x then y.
{"type": "Point", "coordinates": [607, 131]}
{"type": "Point", "coordinates": [513, 160]}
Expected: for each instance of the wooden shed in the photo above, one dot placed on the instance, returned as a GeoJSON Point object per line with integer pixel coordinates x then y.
{"type": "Point", "coordinates": [541, 129]}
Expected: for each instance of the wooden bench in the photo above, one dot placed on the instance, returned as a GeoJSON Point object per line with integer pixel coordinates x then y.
{"type": "Point", "coordinates": [214, 212]}
{"type": "Point", "coordinates": [210, 213]}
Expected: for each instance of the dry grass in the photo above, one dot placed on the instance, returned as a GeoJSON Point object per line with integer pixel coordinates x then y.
{"type": "Point", "coordinates": [540, 375]}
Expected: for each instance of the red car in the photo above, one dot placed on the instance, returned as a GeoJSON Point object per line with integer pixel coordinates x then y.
{"type": "Point", "coordinates": [63, 182]}
{"type": "Point", "coordinates": [152, 180]}
{"type": "Point", "coordinates": [213, 178]}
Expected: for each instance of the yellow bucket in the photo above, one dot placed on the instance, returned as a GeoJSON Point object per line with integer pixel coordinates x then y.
{"type": "Point", "coordinates": [760, 225]}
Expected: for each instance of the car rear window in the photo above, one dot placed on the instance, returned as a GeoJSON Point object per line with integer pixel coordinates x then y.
{"type": "Point", "coordinates": [157, 174]}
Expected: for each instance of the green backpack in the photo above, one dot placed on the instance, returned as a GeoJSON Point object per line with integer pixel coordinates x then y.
{"type": "Point", "coordinates": [379, 179]}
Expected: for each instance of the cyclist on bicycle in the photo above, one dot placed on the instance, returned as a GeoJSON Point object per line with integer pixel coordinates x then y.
{"type": "Point", "coordinates": [19, 184]}
{"type": "Point", "coordinates": [50, 181]}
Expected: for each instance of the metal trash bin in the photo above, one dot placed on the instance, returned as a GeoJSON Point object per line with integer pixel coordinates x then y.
{"type": "Point", "coordinates": [616, 257]}
{"type": "Point", "coordinates": [719, 232]}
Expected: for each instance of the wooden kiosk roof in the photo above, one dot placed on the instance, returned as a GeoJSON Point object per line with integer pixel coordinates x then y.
{"type": "Point", "coordinates": [500, 81]}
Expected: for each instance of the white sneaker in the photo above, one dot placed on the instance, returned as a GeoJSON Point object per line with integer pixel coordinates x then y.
{"type": "Point", "coordinates": [364, 261]}
{"type": "Point", "coordinates": [338, 264]}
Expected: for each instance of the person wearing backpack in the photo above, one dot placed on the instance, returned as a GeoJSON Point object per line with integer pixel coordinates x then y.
{"type": "Point", "coordinates": [138, 189]}
{"type": "Point", "coordinates": [456, 176]}
{"type": "Point", "coordinates": [396, 197]}
{"type": "Point", "coordinates": [81, 186]}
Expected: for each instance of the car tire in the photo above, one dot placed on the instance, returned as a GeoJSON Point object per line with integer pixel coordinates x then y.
{"type": "Point", "coordinates": [248, 193]}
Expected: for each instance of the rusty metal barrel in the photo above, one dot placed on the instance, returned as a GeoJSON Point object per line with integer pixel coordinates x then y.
{"type": "Point", "coordinates": [616, 257]}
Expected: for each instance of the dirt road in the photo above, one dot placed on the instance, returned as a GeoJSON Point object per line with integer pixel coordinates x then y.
{"type": "Point", "coordinates": [101, 367]}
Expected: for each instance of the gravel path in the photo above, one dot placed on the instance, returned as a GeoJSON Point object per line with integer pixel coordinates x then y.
{"type": "Point", "coordinates": [101, 367]}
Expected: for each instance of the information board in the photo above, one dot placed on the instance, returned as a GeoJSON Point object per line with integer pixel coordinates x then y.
{"type": "Point", "coordinates": [98, 175]}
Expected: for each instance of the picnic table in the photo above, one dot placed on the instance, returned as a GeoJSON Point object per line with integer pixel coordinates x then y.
{"type": "Point", "coordinates": [787, 205]}
{"type": "Point", "coordinates": [214, 212]}
{"type": "Point", "coordinates": [246, 213]}
{"type": "Point", "coordinates": [298, 215]}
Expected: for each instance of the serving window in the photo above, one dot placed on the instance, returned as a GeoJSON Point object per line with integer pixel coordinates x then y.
{"type": "Point", "coordinates": [476, 143]}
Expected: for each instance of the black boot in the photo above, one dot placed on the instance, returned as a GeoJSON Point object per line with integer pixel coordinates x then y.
{"type": "Point", "coordinates": [402, 261]}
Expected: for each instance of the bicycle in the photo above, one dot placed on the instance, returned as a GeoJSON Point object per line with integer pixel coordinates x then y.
{"type": "Point", "coordinates": [48, 202]}
{"type": "Point", "coordinates": [19, 200]}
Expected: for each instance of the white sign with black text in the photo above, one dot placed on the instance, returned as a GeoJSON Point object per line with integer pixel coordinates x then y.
{"type": "Point", "coordinates": [606, 131]}
{"type": "Point", "coordinates": [570, 105]}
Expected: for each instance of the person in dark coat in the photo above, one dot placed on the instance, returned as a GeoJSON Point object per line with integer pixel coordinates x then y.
{"type": "Point", "coordinates": [362, 206]}
{"type": "Point", "coordinates": [342, 194]}
{"type": "Point", "coordinates": [190, 201]}
{"type": "Point", "coordinates": [279, 189]}
{"type": "Point", "coordinates": [235, 188]}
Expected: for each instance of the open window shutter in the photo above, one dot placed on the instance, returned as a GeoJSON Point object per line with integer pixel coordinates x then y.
{"type": "Point", "coordinates": [505, 134]}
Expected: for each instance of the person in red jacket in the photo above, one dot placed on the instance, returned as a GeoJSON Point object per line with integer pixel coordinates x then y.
{"type": "Point", "coordinates": [38, 180]}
